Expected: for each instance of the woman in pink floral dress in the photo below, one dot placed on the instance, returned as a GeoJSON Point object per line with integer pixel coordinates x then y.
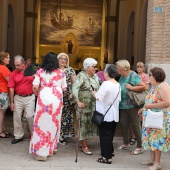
{"type": "Point", "coordinates": [145, 77]}
{"type": "Point", "coordinates": [48, 85]}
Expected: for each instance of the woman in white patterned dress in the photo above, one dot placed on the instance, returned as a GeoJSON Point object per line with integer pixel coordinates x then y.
{"type": "Point", "coordinates": [48, 85]}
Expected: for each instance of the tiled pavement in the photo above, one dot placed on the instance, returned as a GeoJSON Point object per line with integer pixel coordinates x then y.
{"type": "Point", "coordinates": [16, 157]}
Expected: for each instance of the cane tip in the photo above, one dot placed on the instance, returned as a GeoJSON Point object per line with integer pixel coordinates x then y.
{"type": "Point", "coordinates": [76, 160]}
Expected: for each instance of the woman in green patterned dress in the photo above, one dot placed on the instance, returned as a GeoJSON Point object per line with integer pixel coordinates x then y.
{"type": "Point", "coordinates": [82, 87]}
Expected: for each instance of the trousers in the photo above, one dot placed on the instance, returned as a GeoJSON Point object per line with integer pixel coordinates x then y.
{"type": "Point", "coordinates": [21, 104]}
{"type": "Point", "coordinates": [128, 116]}
{"type": "Point", "coordinates": [106, 135]}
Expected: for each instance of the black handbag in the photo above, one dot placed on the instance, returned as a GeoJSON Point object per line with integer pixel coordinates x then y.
{"type": "Point", "coordinates": [98, 117]}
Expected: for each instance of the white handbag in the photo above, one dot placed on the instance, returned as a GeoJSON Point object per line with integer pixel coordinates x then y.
{"type": "Point", "coordinates": [154, 119]}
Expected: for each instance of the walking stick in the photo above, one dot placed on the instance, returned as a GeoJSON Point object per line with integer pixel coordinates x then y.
{"type": "Point", "coordinates": [78, 115]}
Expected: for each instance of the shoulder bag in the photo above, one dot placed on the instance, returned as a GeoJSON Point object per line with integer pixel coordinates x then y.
{"type": "Point", "coordinates": [137, 98]}
{"type": "Point", "coordinates": [98, 117]}
{"type": "Point", "coordinates": [154, 119]}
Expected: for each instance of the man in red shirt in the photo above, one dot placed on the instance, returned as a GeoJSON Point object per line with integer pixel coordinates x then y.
{"type": "Point", "coordinates": [21, 98]}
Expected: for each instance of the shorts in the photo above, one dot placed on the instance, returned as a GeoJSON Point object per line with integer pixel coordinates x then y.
{"type": "Point", "coordinates": [4, 100]}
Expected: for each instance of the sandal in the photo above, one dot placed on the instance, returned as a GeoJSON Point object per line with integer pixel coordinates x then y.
{"type": "Point", "coordinates": [137, 151]}
{"type": "Point", "coordinates": [7, 133]}
{"type": "Point", "coordinates": [40, 158]}
{"type": "Point", "coordinates": [147, 162]}
{"type": "Point", "coordinates": [63, 141]}
{"type": "Point", "coordinates": [90, 149]}
{"type": "Point", "coordinates": [3, 135]}
{"type": "Point", "coordinates": [86, 151]}
{"type": "Point", "coordinates": [104, 160]}
{"type": "Point", "coordinates": [123, 147]}
{"type": "Point", "coordinates": [132, 141]}
{"type": "Point", "coordinates": [154, 167]}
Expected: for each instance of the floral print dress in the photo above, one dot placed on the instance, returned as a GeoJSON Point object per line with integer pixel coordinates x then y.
{"type": "Point", "coordinates": [47, 121]}
{"type": "Point", "coordinates": [156, 139]}
{"type": "Point", "coordinates": [67, 124]}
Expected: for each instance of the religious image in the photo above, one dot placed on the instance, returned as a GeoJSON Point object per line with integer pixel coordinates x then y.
{"type": "Point", "coordinates": [82, 18]}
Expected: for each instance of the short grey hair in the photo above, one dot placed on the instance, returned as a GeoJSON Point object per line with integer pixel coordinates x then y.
{"type": "Point", "coordinates": [111, 69]}
{"type": "Point", "coordinates": [63, 54]}
{"type": "Point", "coordinates": [124, 64]}
{"type": "Point", "coordinates": [88, 62]}
{"type": "Point", "coordinates": [20, 58]}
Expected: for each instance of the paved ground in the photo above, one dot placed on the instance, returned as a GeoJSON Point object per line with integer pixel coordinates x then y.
{"type": "Point", "coordinates": [16, 157]}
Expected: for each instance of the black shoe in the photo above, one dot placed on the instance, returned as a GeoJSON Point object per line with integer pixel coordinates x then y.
{"type": "Point", "coordinates": [16, 141]}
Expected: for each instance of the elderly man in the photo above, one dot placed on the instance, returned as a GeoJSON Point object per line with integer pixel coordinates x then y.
{"type": "Point", "coordinates": [21, 98]}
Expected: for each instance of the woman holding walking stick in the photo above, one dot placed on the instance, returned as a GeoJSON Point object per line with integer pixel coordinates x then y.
{"type": "Point", "coordinates": [85, 101]}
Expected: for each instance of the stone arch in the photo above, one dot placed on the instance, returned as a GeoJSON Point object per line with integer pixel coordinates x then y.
{"type": "Point", "coordinates": [130, 39]}
{"type": "Point", "coordinates": [10, 34]}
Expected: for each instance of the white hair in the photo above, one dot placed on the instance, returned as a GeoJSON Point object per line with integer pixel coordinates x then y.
{"type": "Point", "coordinates": [88, 62]}
{"type": "Point", "coordinates": [63, 54]}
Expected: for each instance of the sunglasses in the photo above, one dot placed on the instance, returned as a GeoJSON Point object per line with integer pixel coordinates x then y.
{"type": "Point", "coordinates": [139, 66]}
{"type": "Point", "coordinates": [94, 66]}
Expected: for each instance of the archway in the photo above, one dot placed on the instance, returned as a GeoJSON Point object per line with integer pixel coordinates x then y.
{"type": "Point", "coordinates": [130, 39]}
{"type": "Point", "coordinates": [10, 34]}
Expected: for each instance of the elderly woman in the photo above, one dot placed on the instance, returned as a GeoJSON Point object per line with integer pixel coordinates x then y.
{"type": "Point", "coordinates": [109, 94]}
{"type": "Point", "coordinates": [4, 97]}
{"type": "Point", "coordinates": [129, 80]}
{"type": "Point", "coordinates": [140, 67]}
{"type": "Point", "coordinates": [67, 125]}
{"type": "Point", "coordinates": [158, 99]}
{"type": "Point", "coordinates": [82, 88]}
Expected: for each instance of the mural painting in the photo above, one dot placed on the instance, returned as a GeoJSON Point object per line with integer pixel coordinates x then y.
{"type": "Point", "coordinates": [81, 18]}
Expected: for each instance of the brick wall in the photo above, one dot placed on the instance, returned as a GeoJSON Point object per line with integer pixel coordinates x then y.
{"type": "Point", "coordinates": [158, 36]}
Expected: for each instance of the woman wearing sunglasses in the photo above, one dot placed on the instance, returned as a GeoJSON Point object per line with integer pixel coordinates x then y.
{"type": "Point", "coordinates": [85, 82]}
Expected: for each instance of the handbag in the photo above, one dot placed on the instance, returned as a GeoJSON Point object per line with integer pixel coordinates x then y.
{"type": "Point", "coordinates": [98, 117]}
{"type": "Point", "coordinates": [154, 119]}
{"type": "Point", "coordinates": [137, 98]}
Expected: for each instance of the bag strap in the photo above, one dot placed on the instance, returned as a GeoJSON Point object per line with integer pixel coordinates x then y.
{"type": "Point", "coordinates": [113, 102]}
{"type": "Point", "coordinates": [131, 78]}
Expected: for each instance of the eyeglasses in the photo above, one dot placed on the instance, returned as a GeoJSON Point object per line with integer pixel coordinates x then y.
{"type": "Point", "coordinates": [18, 65]}
{"type": "Point", "coordinates": [139, 66]}
{"type": "Point", "coordinates": [65, 59]}
{"type": "Point", "coordinates": [150, 74]}
{"type": "Point", "coordinates": [94, 66]}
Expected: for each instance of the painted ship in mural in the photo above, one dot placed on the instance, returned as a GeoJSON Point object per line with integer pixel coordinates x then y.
{"type": "Point", "coordinates": [92, 26]}
{"type": "Point", "coordinates": [57, 19]}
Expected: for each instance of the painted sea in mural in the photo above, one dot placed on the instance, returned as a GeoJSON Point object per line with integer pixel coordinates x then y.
{"type": "Point", "coordinates": [83, 18]}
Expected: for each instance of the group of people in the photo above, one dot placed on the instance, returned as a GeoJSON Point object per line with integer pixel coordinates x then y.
{"type": "Point", "coordinates": [57, 87]}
